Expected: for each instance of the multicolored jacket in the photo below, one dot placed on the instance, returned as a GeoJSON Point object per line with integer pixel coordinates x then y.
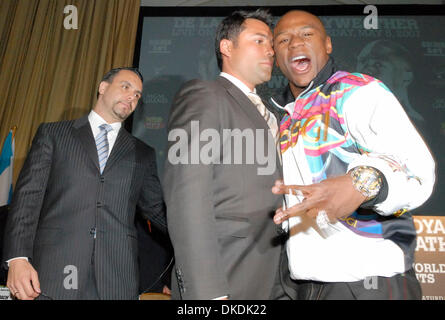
{"type": "Point", "coordinates": [343, 120]}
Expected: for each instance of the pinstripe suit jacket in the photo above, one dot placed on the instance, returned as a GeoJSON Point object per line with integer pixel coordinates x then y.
{"type": "Point", "coordinates": [61, 196]}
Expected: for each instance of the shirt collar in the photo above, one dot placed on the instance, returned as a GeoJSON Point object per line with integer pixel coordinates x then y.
{"type": "Point", "coordinates": [96, 120]}
{"type": "Point", "coordinates": [238, 83]}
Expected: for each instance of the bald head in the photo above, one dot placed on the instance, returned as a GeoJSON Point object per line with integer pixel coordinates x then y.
{"type": "Point", "coordinates": [300, 14]}
{"type": "Point", "coordinates": [302, 48]}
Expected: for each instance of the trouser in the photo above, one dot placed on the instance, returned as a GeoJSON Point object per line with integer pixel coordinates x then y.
{"type": "Point", "coordinates": [404, 286]}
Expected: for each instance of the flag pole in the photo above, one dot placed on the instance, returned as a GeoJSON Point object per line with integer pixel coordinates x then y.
{"type": "Point", "coordinates": [14, 129]}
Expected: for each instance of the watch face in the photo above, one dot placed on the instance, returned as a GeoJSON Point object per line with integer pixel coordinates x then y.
{"type": "Point", "coordinates": [367, 181]}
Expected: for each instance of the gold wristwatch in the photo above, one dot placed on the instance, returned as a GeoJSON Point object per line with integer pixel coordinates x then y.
{"type": "Point", "coordinates": [366, 180]}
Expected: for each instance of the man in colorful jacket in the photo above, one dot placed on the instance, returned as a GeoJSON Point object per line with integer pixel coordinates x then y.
{"type": "Point", "coordinates": [353, 166]}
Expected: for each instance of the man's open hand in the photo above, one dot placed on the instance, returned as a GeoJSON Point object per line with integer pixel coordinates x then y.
{"type": "Point", "coordinates": [336, 196]}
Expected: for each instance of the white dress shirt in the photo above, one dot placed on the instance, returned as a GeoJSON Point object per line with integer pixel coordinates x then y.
{"type": "Point", "coordinates": [96, 121]}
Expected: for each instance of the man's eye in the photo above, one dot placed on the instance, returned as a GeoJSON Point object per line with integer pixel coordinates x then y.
{"type": "Point", "coordinates": [283, 40]}
{"type": "Point", "coordinates": [259, 41]}
{"type": "Point", "coordinates": [308, 34]}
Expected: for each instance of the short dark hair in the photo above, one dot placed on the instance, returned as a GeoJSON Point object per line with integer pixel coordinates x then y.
{"type": "Point", "coordinates": [109, 76]}
{"type": "Point", "coordinates": [232, 26]}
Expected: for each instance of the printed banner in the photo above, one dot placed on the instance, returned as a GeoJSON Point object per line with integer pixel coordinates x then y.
{"type": "Point", "coordinates": [430, 256]}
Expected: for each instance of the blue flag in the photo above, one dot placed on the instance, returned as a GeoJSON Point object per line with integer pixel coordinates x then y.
{"type": "Point", "coordinates": [6, 165]}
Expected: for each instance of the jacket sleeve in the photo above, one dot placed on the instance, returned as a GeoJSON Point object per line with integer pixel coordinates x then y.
{"type": "Point", "coordinates": [188, 189]}
{"type": "Point", "coordinates": [28, 197]}
{"type": "Point", "coordinates": [151, 202]}
{"type": "Point", "coordinates": [380, 126]}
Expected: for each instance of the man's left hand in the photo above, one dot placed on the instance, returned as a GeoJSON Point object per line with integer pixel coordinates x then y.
{"type": "Point", "coordinates": [336, 196]}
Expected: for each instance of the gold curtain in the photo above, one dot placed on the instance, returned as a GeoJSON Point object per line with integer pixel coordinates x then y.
{"type": "Point", "coordinates": [49, 73]}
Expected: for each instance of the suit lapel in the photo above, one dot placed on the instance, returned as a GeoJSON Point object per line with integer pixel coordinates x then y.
{"type": "Point", "coordinates": [244, 102]}
{"type": "Point", "coordinates": [83, 132]}
{"type": "Point", "coordinates": [123, 145]}
{"type": "Point", "coordinates": [249, 108]}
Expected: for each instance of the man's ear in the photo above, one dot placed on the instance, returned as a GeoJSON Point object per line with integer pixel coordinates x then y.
{"type": "Point", "coordinates": [102, 87]}
{"type": "Point", "coordinates": [225, 46]}
{"type": "Point", "coordinates": [328, 45]}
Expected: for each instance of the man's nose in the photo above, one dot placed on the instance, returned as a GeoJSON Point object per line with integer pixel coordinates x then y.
{"type": "Point", "coordinates": [296, 41]}
{"type": "Point", "coordinates": [269, 50]}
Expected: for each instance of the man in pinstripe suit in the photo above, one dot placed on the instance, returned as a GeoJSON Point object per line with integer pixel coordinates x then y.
{"type": "Point", "coordinates": [70, 232]}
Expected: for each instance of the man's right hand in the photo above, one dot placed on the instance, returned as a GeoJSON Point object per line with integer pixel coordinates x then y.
{"type": "Point", "coordinates": [23, 281]}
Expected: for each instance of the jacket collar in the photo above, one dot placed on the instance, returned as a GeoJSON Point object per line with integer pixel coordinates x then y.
{"type": "Point", "coordinates": [286, 96]}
